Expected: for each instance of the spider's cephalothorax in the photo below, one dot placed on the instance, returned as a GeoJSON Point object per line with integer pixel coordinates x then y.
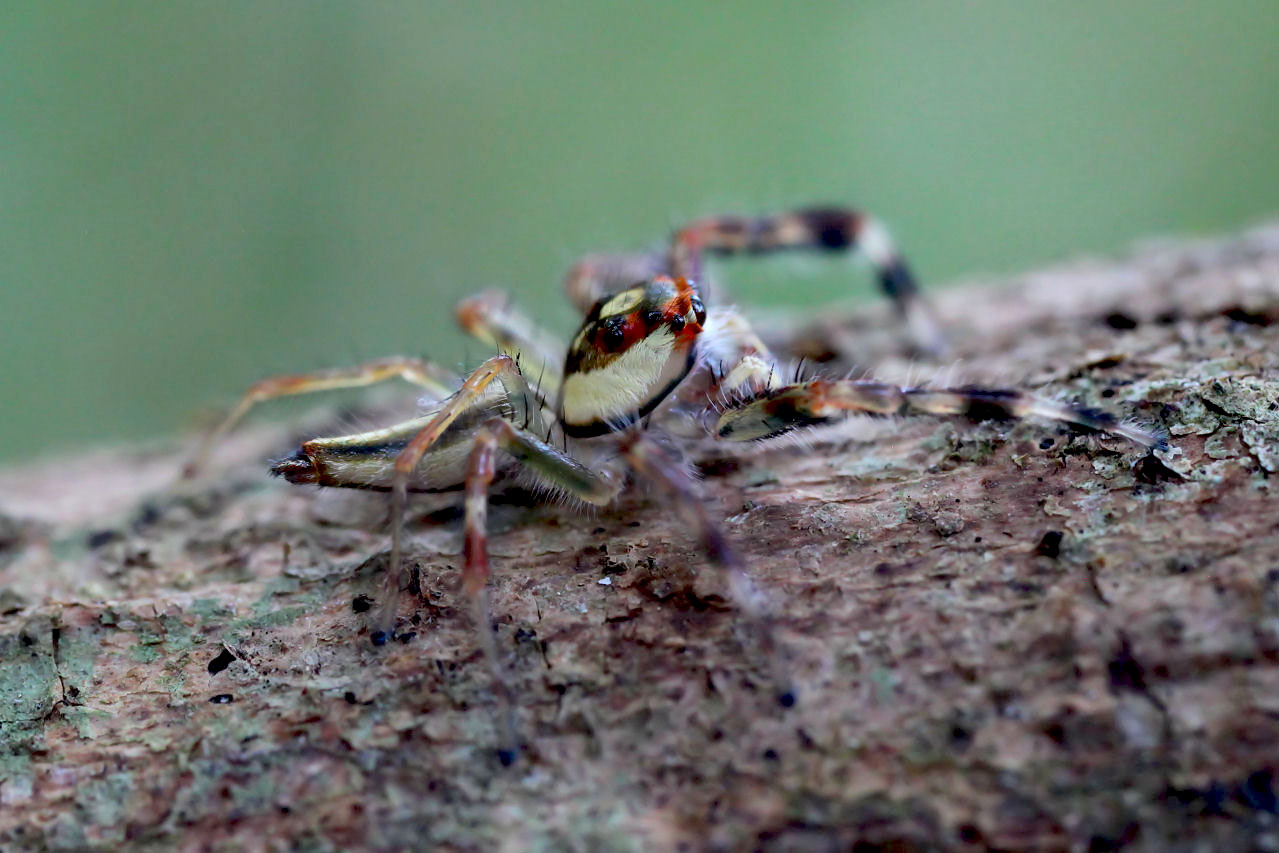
{"type": "Point", "coordinates": [633, 349]}
{"type": "Point", "coordinates": [646, 338]}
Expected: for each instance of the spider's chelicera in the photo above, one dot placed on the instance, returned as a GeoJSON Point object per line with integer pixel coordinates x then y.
{"type": "Point", "coordinates": [648, 351]}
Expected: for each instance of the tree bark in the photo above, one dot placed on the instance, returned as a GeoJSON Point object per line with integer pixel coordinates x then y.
{"type": "Point", "coordinates": [1002, 635]}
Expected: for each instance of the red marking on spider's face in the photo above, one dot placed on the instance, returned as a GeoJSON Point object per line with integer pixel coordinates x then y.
{"type": "Point", "coordinates": [619, 333]}
{"type": "Point", "coordinates": [660, 306]}
{"type": "Point", "coordinates": [685, 314]}
{"type": "Point", "coordinates": [632, 350]}
{"type": "Point", "coordinates": [679, 311]}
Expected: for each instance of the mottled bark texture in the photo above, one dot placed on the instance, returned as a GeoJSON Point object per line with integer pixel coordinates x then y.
{"type": "Point", "coordinates": [1002, 634]}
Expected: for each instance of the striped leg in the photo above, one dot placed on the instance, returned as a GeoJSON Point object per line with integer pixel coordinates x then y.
{"type": "Point", "coordinates": [436, 380]}
{"type": "Point", "coordinates": [831, 229]}
{"type": "Point", "coordinates": [549, 467]}
{"type": "Point", "coordinates": [654, 464]}
{"type": "Point", "coordinates": [475, 573]}
{"type": "Point", "coordinates": [789, 407]}
{"type": "Point", "coordinates": [500, 367]}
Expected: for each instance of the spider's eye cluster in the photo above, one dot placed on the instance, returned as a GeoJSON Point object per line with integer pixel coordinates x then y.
{"type": "Point", "coordinates": [633, 348]}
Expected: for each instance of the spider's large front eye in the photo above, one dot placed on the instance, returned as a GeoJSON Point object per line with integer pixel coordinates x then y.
{"type": "Point", "coordinates": [677, 324]}
{"type": "Point", "coordinates": [614, 333]}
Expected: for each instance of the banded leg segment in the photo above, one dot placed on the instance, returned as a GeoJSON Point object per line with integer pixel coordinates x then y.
{"type": "Point", "coordinates": [501, 367]}
{"type": "Point", "coordinates": [831, 229]}
{"type": "Point", "coordinates": [436, 380]}
{"type": "Point", "coordinates": [821, 402]}
{"type": "Point", "coordinates": [548, 467]}
{"type": "Point", "coordinates": [475, 573]}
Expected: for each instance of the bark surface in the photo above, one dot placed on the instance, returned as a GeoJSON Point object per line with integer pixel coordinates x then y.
{"type": "Point", "coordinates": [1003, 635]}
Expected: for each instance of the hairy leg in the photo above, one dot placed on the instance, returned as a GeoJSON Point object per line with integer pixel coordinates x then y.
{"type": "Point", "coordinates": [473, 389]}
{"type": "Point", "coordinates": [823, 229]}
{"type": "Point", "coordinates": [550, 467]}
{"type": "Point", "coordinates": [823, 401]}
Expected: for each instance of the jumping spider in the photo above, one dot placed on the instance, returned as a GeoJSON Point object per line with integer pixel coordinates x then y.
{"type": "Point", "coordinates": [648, 355]}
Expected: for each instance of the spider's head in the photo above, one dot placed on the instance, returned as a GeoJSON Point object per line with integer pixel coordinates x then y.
{"type": "Point", "coordinates": [633, 348]}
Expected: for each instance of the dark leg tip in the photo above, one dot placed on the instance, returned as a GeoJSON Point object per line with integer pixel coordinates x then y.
{"type": "Point", "coordinates": [507, 756]}
{"type": "Point", "coordinates": [786, 698]}
{"type": "Point", "coordinates": [379, 638]}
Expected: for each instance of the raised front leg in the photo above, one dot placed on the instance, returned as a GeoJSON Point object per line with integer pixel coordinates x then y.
{"type": "Point", "coordinates": [829, 229]}
{"type": "Point", "coordinates": [822, 229]}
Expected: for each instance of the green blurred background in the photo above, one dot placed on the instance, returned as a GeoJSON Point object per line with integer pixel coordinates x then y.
{"type": "Point", "coordinates": [194, 195]}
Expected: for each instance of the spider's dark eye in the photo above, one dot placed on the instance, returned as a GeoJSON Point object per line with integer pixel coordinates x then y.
{"type": "Point", "coordinates": [614, 333]}
{"type": "Point", "coordinates": [699, 310]}
{"type": "Point", "coordinates": [677, 323]}
{"type": "Point", "coordinates": [653, 318]}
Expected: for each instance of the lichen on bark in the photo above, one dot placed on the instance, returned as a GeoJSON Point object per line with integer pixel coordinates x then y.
{"type": "Point", "coordinates": [1003, 635]}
